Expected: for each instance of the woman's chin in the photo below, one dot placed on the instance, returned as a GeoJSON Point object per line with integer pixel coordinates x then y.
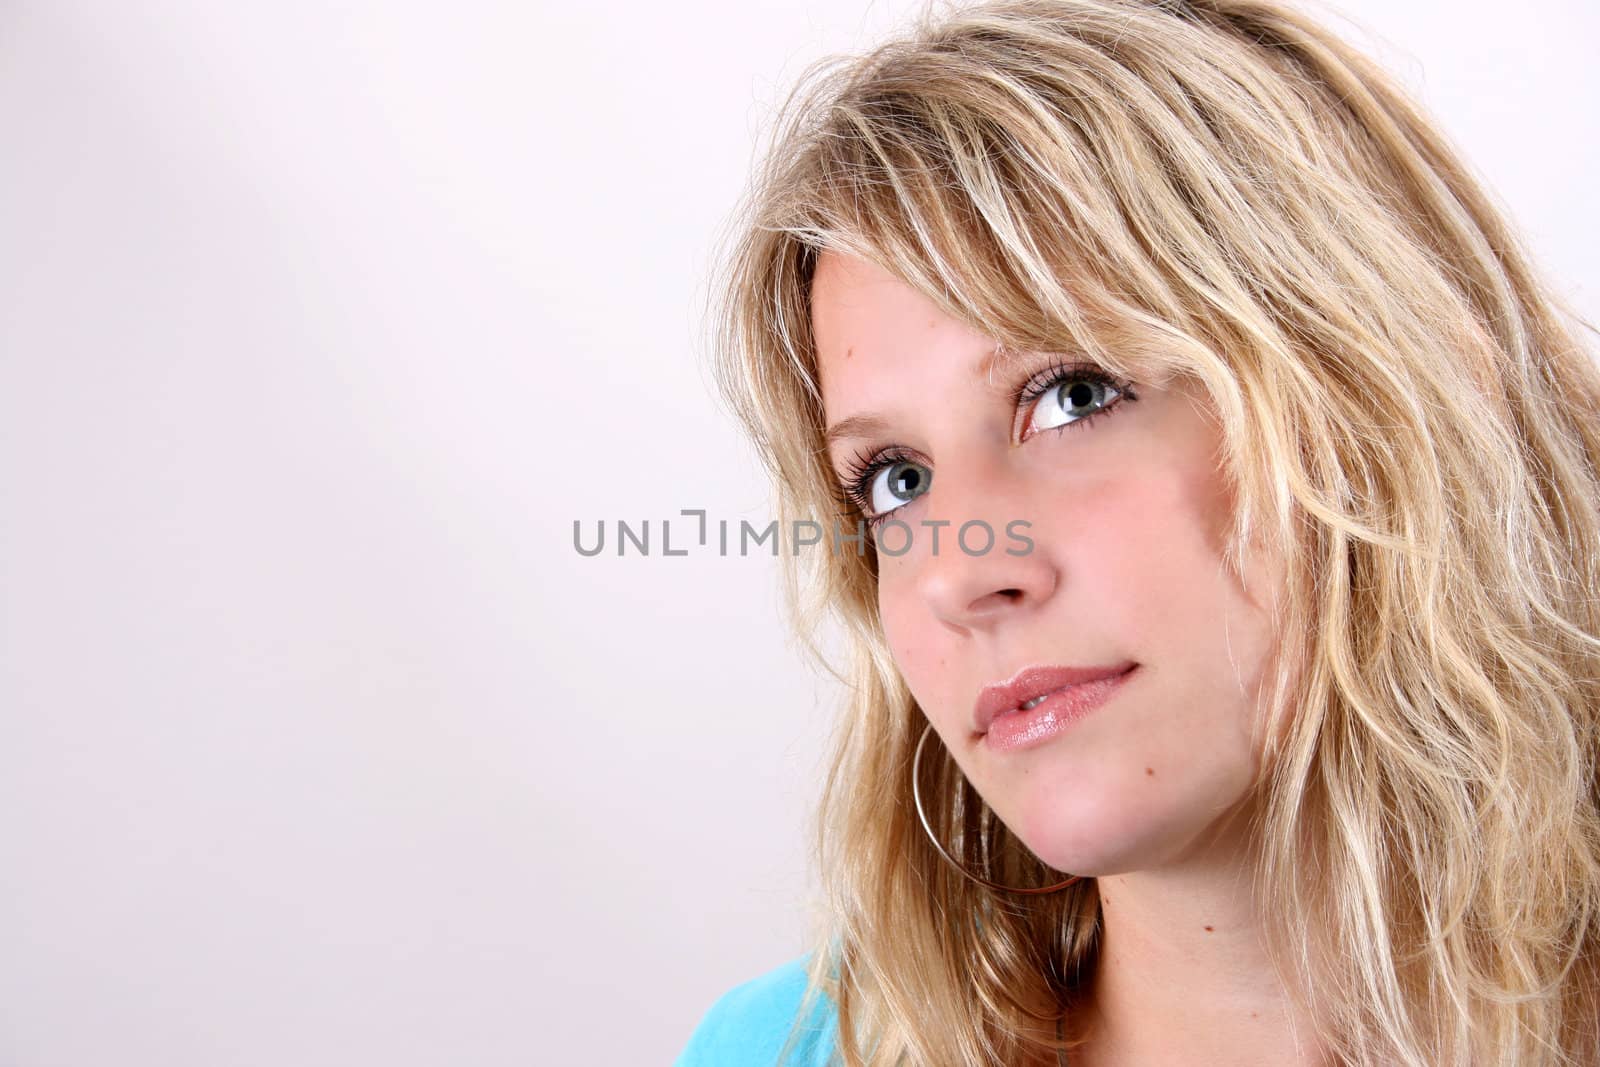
{"type": "Point", "coordinates": [1094, 839]}
{"type": "Point", "coordinates": [1082, 850]}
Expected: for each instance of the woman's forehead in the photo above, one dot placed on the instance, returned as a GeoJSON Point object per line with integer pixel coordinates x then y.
{"type": "Point", "coordinates": [854, 297]}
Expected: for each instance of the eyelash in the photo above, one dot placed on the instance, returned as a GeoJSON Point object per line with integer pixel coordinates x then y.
{"type": "Point", "coordinates": [862, 468]}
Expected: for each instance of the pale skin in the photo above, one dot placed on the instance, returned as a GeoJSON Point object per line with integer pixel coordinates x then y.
{"type": "Point", "coordinates": [1148, 793]}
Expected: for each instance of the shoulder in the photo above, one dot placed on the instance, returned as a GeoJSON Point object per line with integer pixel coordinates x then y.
{"type": "Point", "coordinates": [748, 1025]}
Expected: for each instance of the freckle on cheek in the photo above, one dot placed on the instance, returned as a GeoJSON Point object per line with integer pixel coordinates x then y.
{"type": "Point", "coordinates": [1150, 772]}
{"type": "Point", "coordinates": [1208, 929]}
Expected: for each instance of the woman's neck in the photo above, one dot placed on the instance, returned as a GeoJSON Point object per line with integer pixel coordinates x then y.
{"type": "Point", "coordinates": [1183, 975]}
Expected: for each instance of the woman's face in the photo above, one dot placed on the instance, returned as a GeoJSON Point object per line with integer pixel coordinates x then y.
{"type": "Point", "coordinates": [1127, 514]}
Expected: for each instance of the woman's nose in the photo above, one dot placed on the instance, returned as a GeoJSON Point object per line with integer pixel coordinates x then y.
{"type": "Point", "coordinates": [987, 563]}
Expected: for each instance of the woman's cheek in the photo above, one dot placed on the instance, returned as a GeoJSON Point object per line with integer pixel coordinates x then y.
{"type": "Point", "coordinates": [905, 644]}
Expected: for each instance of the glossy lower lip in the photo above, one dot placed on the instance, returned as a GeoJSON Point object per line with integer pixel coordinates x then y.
{"type": "Point", "coordinates": [1023, 729]}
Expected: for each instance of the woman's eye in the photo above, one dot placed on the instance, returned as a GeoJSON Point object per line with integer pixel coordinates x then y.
{"type": "Point", "coordinates": [1072, 399]}
{"type": "Point", "coordinates": [897, 483]}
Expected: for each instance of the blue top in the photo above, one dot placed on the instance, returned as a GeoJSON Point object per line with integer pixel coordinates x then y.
{"type": "Point", "coordinates": [748, 1025]}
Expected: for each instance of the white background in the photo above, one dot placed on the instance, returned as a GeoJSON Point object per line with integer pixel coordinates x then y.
{"type": "Point", "coordinates": [319, 326]}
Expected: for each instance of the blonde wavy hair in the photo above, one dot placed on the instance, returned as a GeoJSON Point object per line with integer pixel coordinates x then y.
{"type": "Point", "coordinates": [1225, 190]}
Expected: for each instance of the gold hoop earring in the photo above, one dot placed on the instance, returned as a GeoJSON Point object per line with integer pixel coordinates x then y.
{"type": "Point", "coordinates": [916, 798]}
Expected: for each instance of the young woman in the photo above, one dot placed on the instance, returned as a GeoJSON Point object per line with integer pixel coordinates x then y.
{"type": "Point", "coordinates": [1266, 728]}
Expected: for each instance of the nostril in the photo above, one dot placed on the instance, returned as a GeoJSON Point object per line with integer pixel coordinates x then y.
{"type": "Point", "coordinates": [998, 599]}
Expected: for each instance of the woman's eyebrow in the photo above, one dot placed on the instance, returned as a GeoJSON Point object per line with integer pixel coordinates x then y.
{"type": "Point", "coordinates": [855, 426]}
{"type": "Point", "coordinates": [995, 360]}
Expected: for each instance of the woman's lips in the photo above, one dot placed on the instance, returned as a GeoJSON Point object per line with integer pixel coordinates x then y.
{"type": "Point", "coordinates": [1003, 698]}
{"type": "Point", "coordinates": [1061, 707]}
